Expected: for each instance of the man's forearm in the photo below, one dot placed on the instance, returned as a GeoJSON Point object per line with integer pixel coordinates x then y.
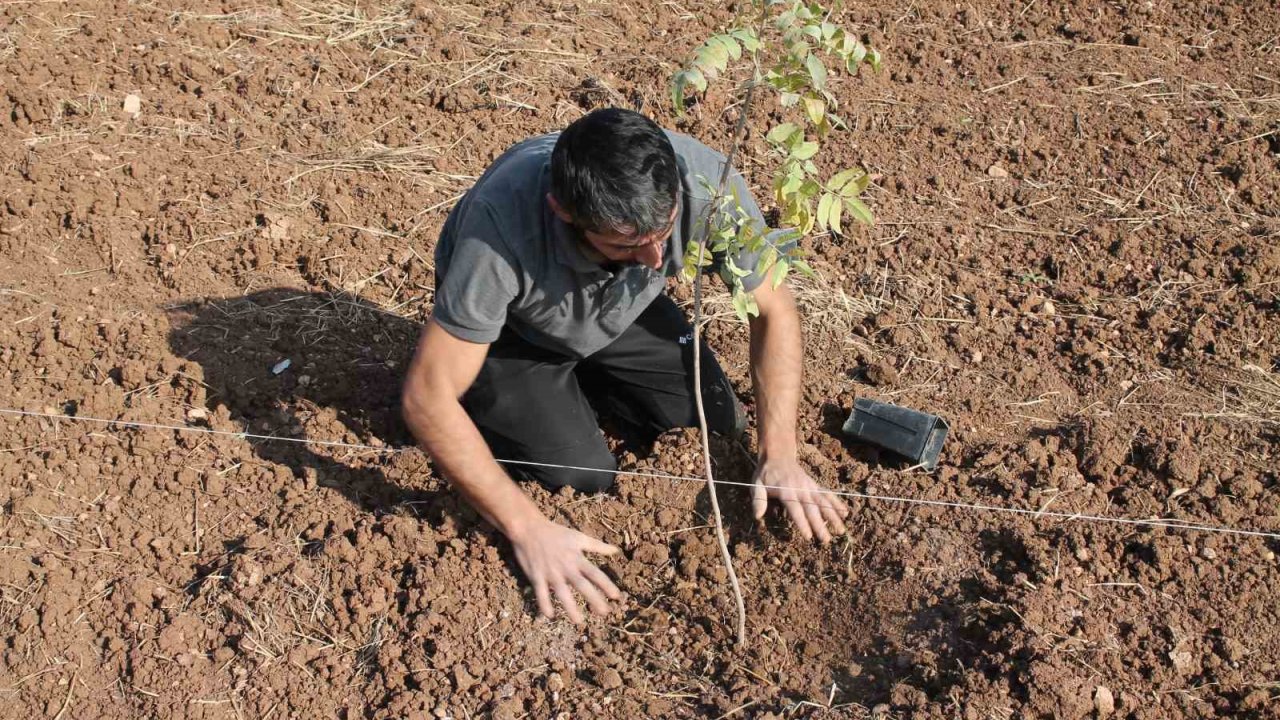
{"type": "Point", "coordinates": [450, 437]}
{"type": "Point", "coordinates": [776, 366]}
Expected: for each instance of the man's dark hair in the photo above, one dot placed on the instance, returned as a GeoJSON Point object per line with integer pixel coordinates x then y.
{"type": "Point", "coordinates": [614, 170]}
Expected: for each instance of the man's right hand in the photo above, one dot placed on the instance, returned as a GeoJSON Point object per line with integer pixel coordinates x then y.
{"type": "Point", "coordinates": [551, 556]}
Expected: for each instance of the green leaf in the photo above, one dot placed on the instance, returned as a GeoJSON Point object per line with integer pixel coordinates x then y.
{"type": "Point", "coordinates": [803, 267]}
{"type": "Point", "coordinates": [781, 133]}
{"type": "Point", "coordinates": [813, 31]}
{"type": "Point", "coordinates": [859, 211]}
{"type": "Point", "coordinates": [805, 150]}
{"type": "Point", "coordinates": [833, 217]}
{"type": "Point", "coordinates": [790, 185]}
{"type": "Point", "coordinates": [796, 214]}
{"type": "Point", "coordinates": [873, 58]}
{"type": "Point", "coordinates": [695, 78]}
{"type": "Point", "coordinates": [824, 210]}
{"type": "Point", "coordinates": [744, 304]}
{"type": "Point", "coordinates": [767, 258]}
{"type": "Point", "coordinates": [735, 50]}
{"type": "Point", "coordinates": [840, 179]}
{"type": "Point", "coordinates": [817, 72]}
{"type": "Point", "coordinates": [842, 43]}
{"type": "Point", "coordinates": [815, 109]}
{"type": "Point", "coordinates": [828, 30]}
{"type": "Point", "coordinates": [748, 38]}
{"type": "Point", "coordinates": [780, 270]}
{"type": "Point", "coordinates": [788, 99]}
{"type": "Point", "coordinates": [707, 187]}
{"type": "Point", "coordinates": [713, 58]}
{"type": "Point", "coordinates": [688, 272]}
{"type": "Point", "coordinates": [784, 237]}
{"type": "Point", "coordinates": [857, 54]}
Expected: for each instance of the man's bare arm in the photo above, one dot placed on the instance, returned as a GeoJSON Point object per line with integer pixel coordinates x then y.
{"type": "Point", "coordinates": [551, 555]}
{"type": "Point", "coordinates": [777, 358]}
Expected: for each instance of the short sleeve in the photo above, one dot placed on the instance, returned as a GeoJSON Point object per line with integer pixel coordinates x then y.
{"type": "Point", "coordinates": [703, 165]}
{"type": "Point", "coordinates": [478, 279]}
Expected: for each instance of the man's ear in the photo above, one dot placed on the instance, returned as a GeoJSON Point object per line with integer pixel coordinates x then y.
{"type": "Point", "coordinates": [559, 211]}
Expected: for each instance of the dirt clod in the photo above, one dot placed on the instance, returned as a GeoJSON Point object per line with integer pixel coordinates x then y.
{"type": "Point", "coordinates": [609, 679]}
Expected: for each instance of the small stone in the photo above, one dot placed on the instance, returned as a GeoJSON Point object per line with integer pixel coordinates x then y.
{"type": "Point", "coordinates": [132, 104]}
{"type": "Point", "coordinates": [1048, 309]}
{"type": "Point", "coordinates": [1268, 555]}
{"type": "Point", "coordinates": [1181, 660]}
{"type": "Point", "coordinates": [555, 683]}
{"type": "Point", "coordinates": [996, 171]}
{"type": "Point", "coordinates": [1208, 553]}
{"type": "Point", "coordinates": [976, 357]}
{"type": "Point", "coordinates": [197, 413]}
{"type": "Point", "coordinates": [1103, 701]}
{"type": "Point", "coordinates": [462, 680]}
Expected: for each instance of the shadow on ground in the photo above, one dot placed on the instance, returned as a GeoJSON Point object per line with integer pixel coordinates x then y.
{"type": "Point", "coordinates": [344, 354]}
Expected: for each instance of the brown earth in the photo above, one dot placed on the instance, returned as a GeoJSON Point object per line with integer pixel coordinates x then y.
{"type": "Point", "coordinates": [1075, 263]}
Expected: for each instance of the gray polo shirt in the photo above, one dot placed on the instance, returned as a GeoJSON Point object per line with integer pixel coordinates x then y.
{"type": "Point", "coordinates": [505, 259]}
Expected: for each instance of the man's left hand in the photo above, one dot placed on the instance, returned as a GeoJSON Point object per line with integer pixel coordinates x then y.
{"type": "Point", "coordinates": [815, 512]}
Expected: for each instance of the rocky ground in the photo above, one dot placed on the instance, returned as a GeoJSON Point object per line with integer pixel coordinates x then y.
{"type": "Point", "coordinates": [1075, 262]}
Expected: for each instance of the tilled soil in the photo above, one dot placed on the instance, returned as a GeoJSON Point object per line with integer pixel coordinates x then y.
{"type": "Point", "coordinates": [1075, 263]}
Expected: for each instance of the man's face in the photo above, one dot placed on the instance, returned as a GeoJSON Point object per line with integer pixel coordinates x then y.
{"type": "Point", "coordinates": [646, 250]}
{"type": "Point", "coordinates": [616, 247]}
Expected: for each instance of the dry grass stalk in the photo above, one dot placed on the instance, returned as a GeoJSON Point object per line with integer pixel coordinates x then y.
{"type": "Point", "coordinates": [343, 22]}
{"type": "Point", "coordinates": [329, 22]}
{"type": "Point", "coordinates": [1251, 394]}
{"type": "Point", "coordinates": [415, 161]}
{"type": "Point", "coordinates": [828, 312]}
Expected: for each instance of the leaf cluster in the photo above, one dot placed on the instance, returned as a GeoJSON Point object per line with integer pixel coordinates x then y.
{"type": "Point", "coordinates": [789, 48]}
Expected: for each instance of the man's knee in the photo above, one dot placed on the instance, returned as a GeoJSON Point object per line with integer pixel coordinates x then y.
{"type": "Point", "coordinates": [580, 469]}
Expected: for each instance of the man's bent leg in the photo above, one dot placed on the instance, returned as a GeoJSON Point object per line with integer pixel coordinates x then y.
{"type": "Point", "coordinates": [648, 372]}
{"type": "Point", "coordinates": [528, 406]}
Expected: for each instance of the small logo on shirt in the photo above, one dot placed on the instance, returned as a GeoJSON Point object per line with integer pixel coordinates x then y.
{"type": "Point", "coordinates": [686, 338]}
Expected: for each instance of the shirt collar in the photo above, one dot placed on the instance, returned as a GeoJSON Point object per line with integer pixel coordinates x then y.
{"type": "Point", "coordinates": [567, 247]}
